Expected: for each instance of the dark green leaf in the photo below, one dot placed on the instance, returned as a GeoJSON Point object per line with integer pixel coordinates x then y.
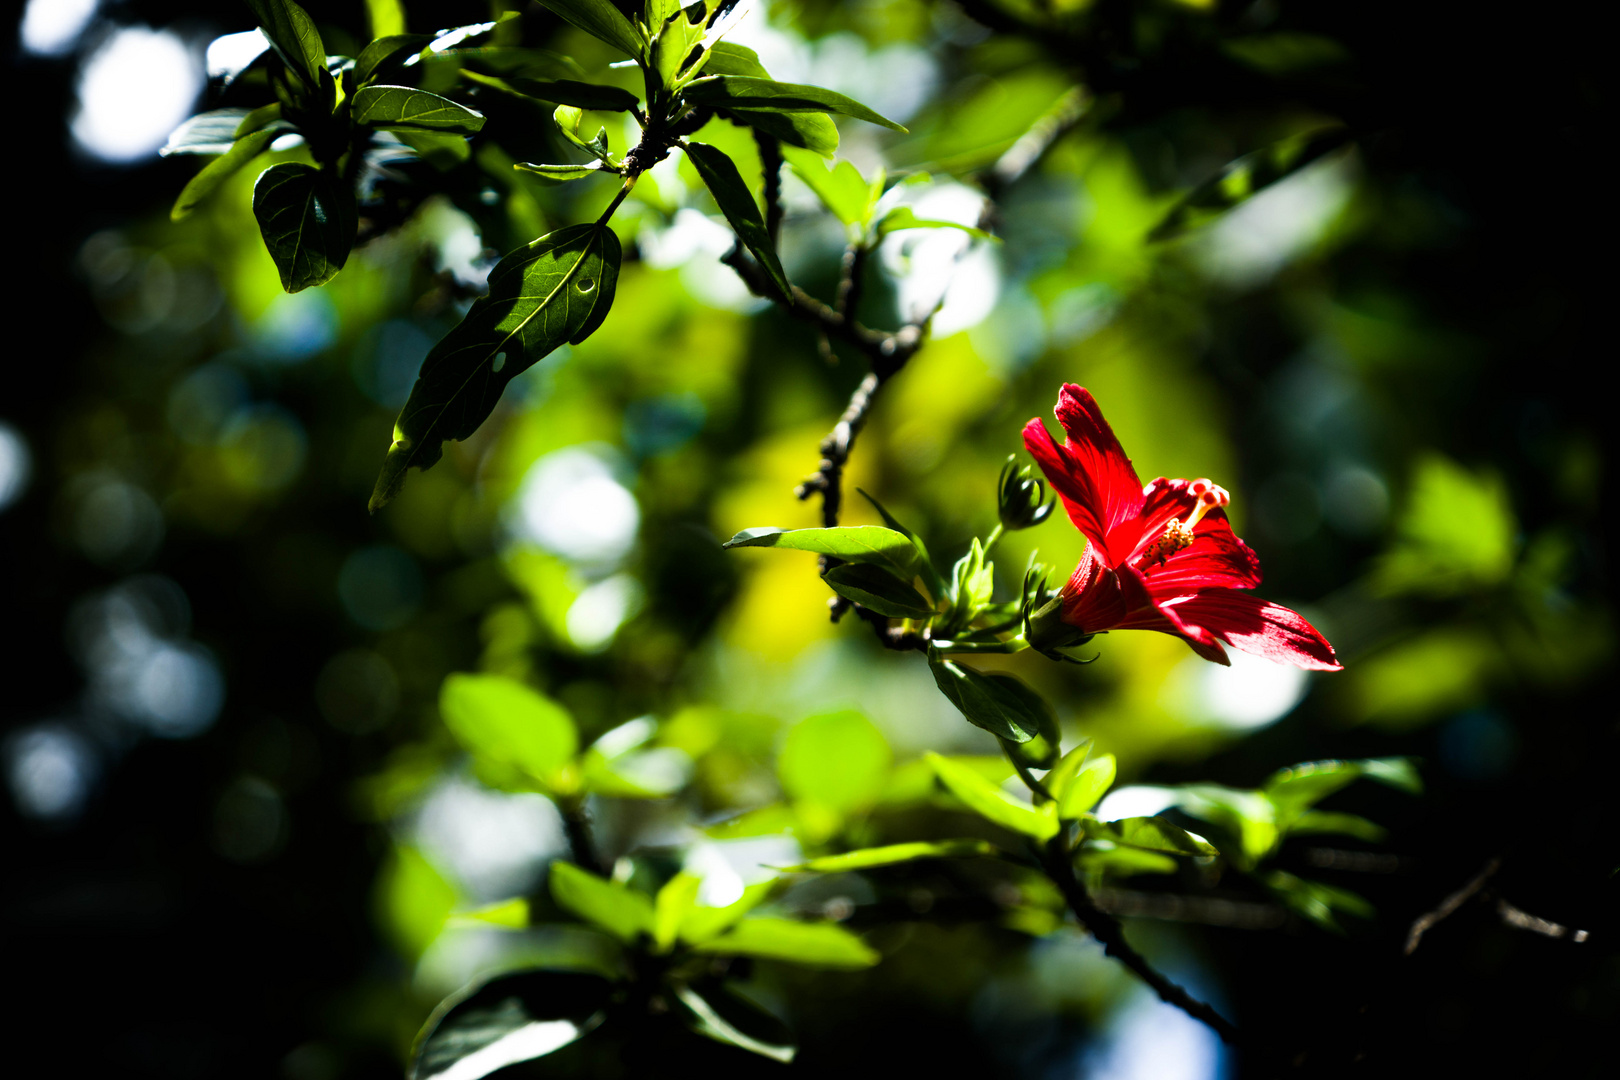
{"type": "Point", "coordinates": [925, 562]}
{"type": "Point", "coordinates": [744, 92]}
{"type": "Point", "coordinates": [707, 1020]}
{"type": "Point", "coordinates": [219, 170]}
{"type": "Point", "coordinates": [1149, 834]}
{"type": "Point", "coordinates": [811, 130]}
{"type": "Point", "coordinates": [506, 1020]}
{"type": "Point", "coordinates": [876, 588]}
{"type": "Point", "coordinates": [307, 220]}
{"type": "Point", "coordinates": [889, 855]}
{"type": "Point", "coordinates": [1316, 901]}
{"type": "Point", "coordinates": [206, 133]}
{"type": "Point", "coordinates": [390, 107]}
{"type": "Point", "coordinates": [501, 719]}
{"type": "Point", "coordinates": [852, 543]}
{"type": "Point", "coordinates": [993, 804]}
{"type": "Point", "coordinates": [1032, 704]}
{"type": "Point", "coordinates": [815, 944]}
{"type": "Point", "coordinates": [557, 289]}
{"type": "Point", "coordinates": [580, 95]}
{"type": "Point", "coordinates": [557, 174]}
{"type": "Point", "coordinates": [386, 54]}
{"type": "Point", "coordinates": [1326, 821]}
{"type": "Point", "coordinates": [1246, 177]}
{"type": "Point", "coordinates": [440, 149]}
{"type": "Point", "coordinates": [601, 20]}
{"type": "Point", "coordinates": [737, 203]}
{"type": "Point", "coordinates": [986, 702]}
{"type": "Point", "coordinates": [293, 35]}
{"type": "Point", "coordinates": [618, 909]}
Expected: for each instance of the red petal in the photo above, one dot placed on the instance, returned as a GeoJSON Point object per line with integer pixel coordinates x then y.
{"type": "Point", "coordinates": [1257, 626]}
{"type": "Point", "coordinates": [1092, 600]}
{"type": "Point", "coordinates": [1215, 558]}
{"type": "Point", "coordinates": [1098, 485]}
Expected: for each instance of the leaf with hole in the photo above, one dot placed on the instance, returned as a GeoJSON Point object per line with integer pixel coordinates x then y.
{"type": "Point", "coordinates": [507, 1020]}
{"type": "Point", "coordinates": [745, 92]}
{"type": "Point", "coordinates": [555, 290]}
{"type": "Point", "coordinates": [720, 175]}
{"type": "Point", "coordinates": [393, 107]}
{"type": "Point", "coordinates": [308, 222]}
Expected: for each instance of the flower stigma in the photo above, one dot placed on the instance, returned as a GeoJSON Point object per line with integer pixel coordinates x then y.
{"type": "Point", "coordinates": [1178, 534]}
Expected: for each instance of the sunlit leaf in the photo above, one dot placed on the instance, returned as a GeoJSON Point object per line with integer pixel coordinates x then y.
{"type": "Point", "coordinates": [1149, 834]}
{"type": "Point", "coordinates": [385, 18]}
{"type": "Point", "coordinates": [903, 217]}
{"type": "Point", "coordinates": [890, 854]}
{"type": "Point", "coordinates": [308, 221]}
{"type": "Point", "coordinates": [293, 35]}
{"type": "Point", "coordinates": [837, 760]}
{"type": "Point", "coordinates": [211, 132]}
{"type": "Point", "coordinates": [601, 20]}
{"type": "Point", "coordinates": [1124, 861]}
{"type": "Point", "coordinates": [618, 909]}
{"type": "Point", "coordinates": [708, 1021]}
{"type": "Point", "coordinates": [745, 92]}
{"type": "Point", "coordinates": [814, 944]}
{"type": "Point", "coordinates": [811, 130]}
{"type": "Point", "coordinates": [386, 54]}
{"type": "Point", "coordinates": [557, 289]}
{"type": "Point", "coordinates": [499, 718]}
{"type": "Point", "coordinates": [851, 543]}
{"type": "Point", "coordinates": [560, 173]}
{"type": "Point", "coordinates": [391, 107]}
{"type": "Point", "coordinates": [1319, 902]}
{"type": "Point", "coordinates": [671, 906]}
{"type": "Point", "coordinates": [992, 803]}
{"type": "Point", "coordinates": [720, 175]}
{"type": "Point", "coordinates": [1396, 772]}
{"type": "Point", "coordinates": [1089, 784]}
{"type": "Point", "coordinates": [507, 1020]}
{"type": "Point", "coordinates": [221, 169]}
{"type": "Point", "coordinates": [842, 189]}
{"type": "Point", "coordinates": [703, 923]}
{"type": "Point", "coordinates": [511, 914]}
{"type": "Point", "coordinates": [987, 702]}
{"type": "Point", "coordinates": [925, 563]}
{"type": "Point", "coordinates": [874, 587]}
{"type": "Point", "coordinates": [1249, 817]}
{"type": "Point", "coordinates": [726, 58]}
{"type": "Point", "coordinates": [1331, 822]}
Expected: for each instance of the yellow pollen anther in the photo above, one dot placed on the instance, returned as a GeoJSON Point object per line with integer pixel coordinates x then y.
{"type": "Point", "coordinates": [1178, 534]}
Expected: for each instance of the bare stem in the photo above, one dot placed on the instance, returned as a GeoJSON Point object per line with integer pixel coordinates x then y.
{"type": "Point", "coordinates": [577, 827]}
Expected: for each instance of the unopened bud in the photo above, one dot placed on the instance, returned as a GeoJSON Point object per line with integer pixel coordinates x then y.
{"type": "Point", "coordinates": [1021, 496]}
{"type": "Point", "coordinates": [1044, 628]}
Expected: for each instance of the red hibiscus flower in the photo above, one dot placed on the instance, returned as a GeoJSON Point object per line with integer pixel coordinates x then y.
{"type": "Point", "coordinates": [1161, 557]}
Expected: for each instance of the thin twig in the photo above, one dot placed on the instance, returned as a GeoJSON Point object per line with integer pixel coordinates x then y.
{"type": "Point", "coordinates": [1107, 929]}
{"type": "Point", "coordinates": [1523, 920]}
{"type": "Point", "coordinates": [577, 827]}
{"type": "Point", "coordinates": [1425, 922]}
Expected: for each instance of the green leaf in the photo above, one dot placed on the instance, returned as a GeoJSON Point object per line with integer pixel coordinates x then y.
{"type": "Point", "coordinates": [1246, 177]}
{"type": "Point", "coordinates": [221, 169]}
{"type": "Point", "coordinates": [987, 703]}
{"type": "Point", "coordinates": [580, 95]}
{"type": "Point", "coordinates": [728, 59]}
{"type": "Point", "coordinates": [851, 543]}
{"type": "Point", "coordinates": [670, 908]}
{"type": "Point", "coordinates": [506, 1020]}
{"type": "Point", "coordinates": [1089, 785]}
{"type": "Point", "coordinates": [814, 944]}
{"type": "Point", "coordinates": [601, 20]}
{"type": "Point", "coordinates": [720, 174]}
{"type": "Point", "coordinates": [1149, 834]}
{"type": "Point", "coordinates": [1318, 902]}
{"type": "Point", "coordinates": [557, 289]}
{"type": "Point", "coordinates": [903, 217]}
{"type": "Point", "coordinates": [874, 587]}
{"type": "Point", "coordinates": [843, 189]}
{"type": "Point", "coordinates": [557, 174]}
{"type": "Point", "coordinates": [811, 130]}
{"type": "Point", "coordinates": [890, 854]}
{"type": "Point", "coordinates": [837, 760]}
{"type": "Point", "coordinates": [392, 107]}
{"type": "Point", "coordinates": [744, 92]}
{"type": "Point", "coordinates": [1249, 816]}
{"type": "Point", "coordinates": [703, 923]}
{"type": "Point", "coordinates": [1123, 862]}
{"type": "Point", "coordinates": [386, 54]}
{"type": "Point", "coordinates": [499, 718]}
{"type": "Point", "coordinates": [621, 911]}
{"type": "Point", "coordinates": [1326, 821]}
{"type": "Point", "coordinates": [709, 1022]}
{"type": "Point", "coordinates": [1063, 773]}
{"type": "Point", "coordinates": [992, 803]}
{"type": "Point", "coordinates": [212, 132]}
{"type": "Point", "coordinates": [510, 914]}
{"type": "Point", "coordinates": [259, 119]}
{"type": "Point", "coordinates": [308, 223]}
{"type": "Point", "coordinates": [1031, 704]}
{"type": "Point", "coordinates": [293, 35]}
{"type": "Point", "coordinates": [925, 563]}
{"type": "Point", "coordinates": [1396, 772]}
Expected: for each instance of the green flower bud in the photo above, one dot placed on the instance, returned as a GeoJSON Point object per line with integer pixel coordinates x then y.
{"type": "Point", "coordinates": [1021, 495]}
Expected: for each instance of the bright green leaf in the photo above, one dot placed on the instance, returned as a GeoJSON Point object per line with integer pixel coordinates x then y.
{"type": "Point", "coordinates": [671, 906]}
{"type": "Point", "coordinates": [903, 217]}
{"type": "Point", "coordinates": [1149, 834]}
{"type": "Point", "coordinates": [838, 760]}
{"type": "Point", "coordinates": [841, 189]}
{"type": "Point", "coordinates": [557, 289]}
{"type": "Point", "coordinates": [1089, 785]}
{"type": "Point", "coordinates": [1326, 821]}
{"type": "Point", "coordinates": [501, 719]}
{"type": "Point", "coordinates": [702, 923]}
{"type": "Point", "coordinates": [992, 803]}
{"type": "Point", "coordinates": [212, 132]}
{"type": "Point", "coordinates": [925, 563]}
{"type": "Point", "coordinates": [889, 855]}
{"type": "Point", "coordinates": [221, 169]}
{"type": "Point", "coordinates": [1456, 535]}
{"type": "Point", "coordinates": [814, 944]}
{"type": "Point", "coordinates": [511, 914]}
{"type": "Point", "coordinates": [811, 130]}
{"type": "Point", "coordinates": [621, 911]}
{"type": "Point", "coordinates": [1317, 901]}
{"type": "Point", "coordinates": [391, 107]}
{"type": "Point", "coordinates": [851, 543]}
